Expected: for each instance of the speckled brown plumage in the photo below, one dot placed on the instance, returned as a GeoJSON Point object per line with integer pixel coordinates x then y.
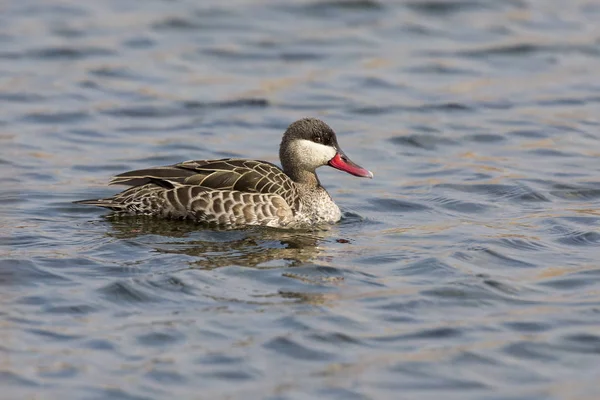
{"type": "Point", "coordinates": [225, 174]}
{"type": "Point", "coordinates": [232, 192]}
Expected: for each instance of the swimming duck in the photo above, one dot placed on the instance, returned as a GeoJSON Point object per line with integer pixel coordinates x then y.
{"type": "Point", "coordinates": [239, 192]}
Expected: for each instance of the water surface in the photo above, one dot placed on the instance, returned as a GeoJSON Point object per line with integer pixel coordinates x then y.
{"type": "Point", "coordinates": [467, 269]}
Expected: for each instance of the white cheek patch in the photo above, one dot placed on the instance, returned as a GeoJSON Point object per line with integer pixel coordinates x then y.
{"type": "Point", "coordinates": [312, 155]}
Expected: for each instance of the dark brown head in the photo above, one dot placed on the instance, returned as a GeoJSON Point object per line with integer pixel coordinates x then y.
{"type": "Point", "coordinates": [310, 143]}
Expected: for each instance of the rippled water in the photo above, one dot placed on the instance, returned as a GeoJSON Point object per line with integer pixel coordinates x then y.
{"type": "Point", "coordinates": [467, 269]}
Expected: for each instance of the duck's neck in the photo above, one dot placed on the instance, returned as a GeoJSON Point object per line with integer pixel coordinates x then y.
{"type": "Point", "coordinates": [303, 177]}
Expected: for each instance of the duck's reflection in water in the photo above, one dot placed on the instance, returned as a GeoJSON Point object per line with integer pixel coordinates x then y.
{"type": "Point", "coordinates": [256, 247]}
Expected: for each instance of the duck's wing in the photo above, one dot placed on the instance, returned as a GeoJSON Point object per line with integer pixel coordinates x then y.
{"type": "Point", "coordinates": [169, 199]}
{"type": "Point", "coordinates": [250, 176]}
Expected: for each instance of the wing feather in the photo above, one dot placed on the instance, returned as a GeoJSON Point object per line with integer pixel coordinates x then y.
{"type": "Point", "coordinates": [250, 176]}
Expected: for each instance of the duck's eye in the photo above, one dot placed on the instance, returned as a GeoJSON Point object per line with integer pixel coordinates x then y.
{"type": "Point", "coordinates": [318, 139]}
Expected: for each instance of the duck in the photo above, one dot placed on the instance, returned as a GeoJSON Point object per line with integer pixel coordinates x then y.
{"type": "Point", "coordinates": [236, 192]}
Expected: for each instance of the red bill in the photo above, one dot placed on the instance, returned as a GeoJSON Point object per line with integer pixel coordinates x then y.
{"type": "Point", "coordinates": [343, 163]}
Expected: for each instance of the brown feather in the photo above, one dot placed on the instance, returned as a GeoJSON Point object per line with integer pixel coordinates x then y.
{"type": "Point", "coordinates": [224, 174]}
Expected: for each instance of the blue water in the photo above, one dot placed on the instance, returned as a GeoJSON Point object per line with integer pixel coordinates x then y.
{"type": "Point", "coordinates": [467, 269]}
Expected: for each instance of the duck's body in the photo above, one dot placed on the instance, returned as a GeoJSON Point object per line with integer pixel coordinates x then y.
{"type": "Point", "coordinates": [231, 192]}
{"type": "Point", "coordinates": [239, 192]}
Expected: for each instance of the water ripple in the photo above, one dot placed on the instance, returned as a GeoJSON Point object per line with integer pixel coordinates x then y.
{"type": "Point", "coordinates": [295, 350]}
{"type": "Point", "coordinates": [16, 272]}
{"type": "Point", "coordinates": [578, 238]}
{"type": "Point", "coordinates": [450, 7]}
{"type": "Point", "coordinates": [396, 205]}
{"type": "Point", "coordinates": [59, 53]}
{"type": "Point", "coordinates": [422, 141]}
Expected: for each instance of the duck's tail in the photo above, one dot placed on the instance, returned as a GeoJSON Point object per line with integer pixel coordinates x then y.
{"type": "Point", "coordinates": [106, 203]}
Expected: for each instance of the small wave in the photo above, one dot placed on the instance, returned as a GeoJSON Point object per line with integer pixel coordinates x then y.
{"type": "Point", "coordinates": [522, 243]}
{"type": "Point", "coordinates": [486, 257]}
{"type": "Point", "coordinates": [57, 117]}
{"type": "Point", "coordinates": [61, 53]}
{"type": "Point", "coordinates": [423, 141]}
{"type": "Point", "coordinates": [237, 103]}
{"type": "Point", "coordinates": [291, 348]}
{"type": "Point", "coordinates": [177, 24]}
{"type": "Point", "coordinates": [164, 376]}
{"type": "Point", "coordinates": [580, 238]}
{"type": "Point", "coordinates": [517, 193]}
{"type": "Point", "coordinates": [485, 138]}
{"type": "Point", "coordinates": [447, 7]}
{"type": "Point", "coordinates": [12, 378]}
{"type": "Point", "coordinates": [396, 205]}
{"type": "Point", "coordinates": [468, 207]}
{"type": "Point", "coordinates": [160, 338]}
{"type": "Point", "coordinates": [573, 192]}
{"type": "Point", "coordinates": [429, 267]}
{"type": "Point", "coordinates": [16, 272]}
{"type": "Point", "coordinates": [330, 6]}
{"type": "Point", "coordinates": [123, 292]}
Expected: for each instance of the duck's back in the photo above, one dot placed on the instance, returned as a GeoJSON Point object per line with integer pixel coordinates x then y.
{"type": "Point", "coordinates": [250, 176]}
